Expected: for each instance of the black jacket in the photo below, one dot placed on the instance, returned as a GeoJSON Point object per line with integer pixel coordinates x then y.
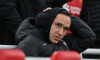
{"type": "Point", "coordinates": [13, 12]}
{"type": "Point", "coordinates": [37, 44]}
{"type": "Point", "coordinates": [91, 15]}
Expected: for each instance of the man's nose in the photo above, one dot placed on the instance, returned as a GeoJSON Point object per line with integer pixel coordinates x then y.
{"type": "Point", "coordinates": [60, 32]}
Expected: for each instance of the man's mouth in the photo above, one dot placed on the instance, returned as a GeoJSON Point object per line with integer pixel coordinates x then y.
{"type": "Point", "coordinates": [57, 38]}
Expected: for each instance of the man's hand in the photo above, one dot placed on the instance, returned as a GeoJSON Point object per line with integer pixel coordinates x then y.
{"type": "Point", "coordinates": [49, 8]}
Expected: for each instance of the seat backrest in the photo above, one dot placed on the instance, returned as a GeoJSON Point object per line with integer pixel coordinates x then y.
{"type": "Point", "coordinates": [11, 54]}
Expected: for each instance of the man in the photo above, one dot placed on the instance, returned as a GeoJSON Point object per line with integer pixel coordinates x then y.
{"type": "Point", "coordinates": [30, 8]}
{"type": "Point", "coordinates": [49, 34]}
{"type": "Point", "coordinates": [13, 12]}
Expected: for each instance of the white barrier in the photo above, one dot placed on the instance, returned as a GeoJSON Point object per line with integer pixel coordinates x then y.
{"type": "Point", "coordinates": [88, 51]}
{"type": "Point", "coordinates": [7, 46]}
{"type": "Point", "coordinates": [91, 51]}
{"type": "Point", "coordinates": [90, 59]}
{"type": "Point", "coordinates": [47, 58]}
{"type": "Point", "coordinates": [37, 58]}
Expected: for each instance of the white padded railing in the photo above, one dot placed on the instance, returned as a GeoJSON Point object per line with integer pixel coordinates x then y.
{"type": "Point", "coordinates": [7, 46]}
{"type": "Point", "coordinates": [91, 51]}
{"type": "Point", "coordinates": [44, 58]}
{"type": "Point", "coordinates": [48, 58]}
{"type": "Point", "coordinates": [88, 51]}
{"type": "Point", "coordinates": [37, 58]}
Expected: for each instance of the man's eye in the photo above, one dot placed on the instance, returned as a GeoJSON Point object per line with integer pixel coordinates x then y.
{"type": "Point", "coordinates": [58, 25]}
{"type": "Point", "coordinates": [65, 29]}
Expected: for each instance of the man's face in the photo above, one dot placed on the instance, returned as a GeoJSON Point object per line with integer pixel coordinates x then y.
{"type": "Point", "coordinates": [59, 28]}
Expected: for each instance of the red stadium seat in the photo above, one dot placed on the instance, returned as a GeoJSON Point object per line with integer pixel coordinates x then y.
{"type": "Point", "coordinates": [65, 55]}
{"type": "Point", "coordinates": [11, 54]}
{"type": "Point", "coordinates": [99, 58]}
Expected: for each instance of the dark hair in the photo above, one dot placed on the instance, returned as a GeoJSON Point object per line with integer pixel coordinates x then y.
{"type": "Point", "coordinates": [64, 12]}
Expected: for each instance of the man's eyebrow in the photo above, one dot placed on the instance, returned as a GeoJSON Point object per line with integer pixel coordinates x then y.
{"type": "Point", "coordinates": [58, 23]}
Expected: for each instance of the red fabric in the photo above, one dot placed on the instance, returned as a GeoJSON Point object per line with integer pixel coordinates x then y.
{"type": "Point", "coordinates": [74, 7]}
{"type": "Point", "coordinates": [68, 32]}
{"type": "Point", "coordinates": [65, 55]}
{"type": "Point", "coordinates": [11, 54]}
